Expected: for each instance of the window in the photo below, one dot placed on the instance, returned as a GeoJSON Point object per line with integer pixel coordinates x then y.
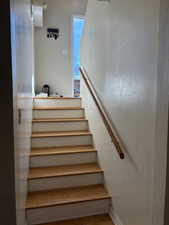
{"type": "Point", "coordinates": [78, 26]}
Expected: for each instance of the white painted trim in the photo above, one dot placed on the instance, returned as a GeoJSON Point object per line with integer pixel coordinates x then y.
{"type": "Point", "coordinates": [115, 218]}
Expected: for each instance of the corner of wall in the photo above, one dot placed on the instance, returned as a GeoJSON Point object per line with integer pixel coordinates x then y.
{"type": "Point", "coordinates": [115, 218]}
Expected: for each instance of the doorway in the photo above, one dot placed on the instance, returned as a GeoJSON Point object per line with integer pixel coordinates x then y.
{"type": "Point", "coordinates": [78, 27]}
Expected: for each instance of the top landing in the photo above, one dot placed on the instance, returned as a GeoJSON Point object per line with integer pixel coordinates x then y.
{"type": "Point", "coordinates": [66, 98]}
{"type": "Point", "coordinates": [52, 101]}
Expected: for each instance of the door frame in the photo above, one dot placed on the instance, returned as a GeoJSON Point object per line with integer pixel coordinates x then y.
{"type": "Point", "coordinates": [160, 201]}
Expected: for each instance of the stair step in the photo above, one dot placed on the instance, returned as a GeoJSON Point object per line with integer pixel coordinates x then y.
{"type": "Point", "coordinates": [57, 98]}
{"type": "Point", "coordinates": [63, 140]}
{"type": "Point", "coordinates": [63, 159]}
{"type": "Point", "coordinates": [89, 220]}
{"type": "Point", "coordinates": [51, 120]}
{"type": "Point", "coordinates": [59, 124]}
{"type": "Point", "coordinates": [68, 170]}
{"type": "Point", "coordinates": [61, 150]}
{"type": "Point", "coordinates": [58, 112]}
{"type": "Point", "coordinates": [56, 102]}
{"type": "Point", "coordinates": [51, 183]}
{"type": "Point", "coordinates": [41, 199]}
{"type": "Point", "coordinates": [60, 134]}
{"type": "Point", "coordinates": [58, 108]}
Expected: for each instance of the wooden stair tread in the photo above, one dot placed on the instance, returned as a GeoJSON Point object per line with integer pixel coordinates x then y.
{"type": "Point", "coordinates": [60, 134]}
{"type": "Point", "coordinates": [48, 198]}
{"type": "Point", "coordinates": [58, 108]}
{"type": "Point", "coordinates": [61, 150]}
{"type": "Point", "coordinates": [89, 220]}
{"type": "Point", "coordinates": [67, 170]}
{"type": "Point", "coordinates": [39, 120]}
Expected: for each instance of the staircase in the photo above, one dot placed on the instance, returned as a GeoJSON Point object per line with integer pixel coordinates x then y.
{"type": "Point", "coordinates": [65, 182]}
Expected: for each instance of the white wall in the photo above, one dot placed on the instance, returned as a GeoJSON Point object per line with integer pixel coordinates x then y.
{"type": "Point", "coordinates": [120, 54]}
{"type": "Point", "coordinates": [22, 75]}
{"type": "Point", "coordinates": [53, 58]}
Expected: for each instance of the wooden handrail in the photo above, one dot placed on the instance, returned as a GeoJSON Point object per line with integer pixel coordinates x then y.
{"type": "Point", "coordinates": [105, 117]}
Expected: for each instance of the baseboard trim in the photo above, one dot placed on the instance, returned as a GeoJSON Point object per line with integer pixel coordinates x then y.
{"type": "Point", "coordinates": [115, 218]}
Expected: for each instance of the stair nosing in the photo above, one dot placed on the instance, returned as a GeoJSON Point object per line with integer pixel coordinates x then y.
{"type": "Point", "coordinates": [70, 202]}
{"type": "Point", "coordinates": [99, 170]}
{"type": "Point", "coordinates": [63, 153]}
{"type": "Point", "coordinates": [66, 175]}
{"type": "Point", "coordinates": [61, 134]}
{"type": "Point", "coordinates": [105, 195]}
{"type": "Point", "coordinates": [61, 120]}
{"type": "Point", "coordinates": [89, 148]}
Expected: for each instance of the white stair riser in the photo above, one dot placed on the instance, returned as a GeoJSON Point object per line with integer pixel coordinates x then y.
{"type": "Point", "coordinates": [61, 141]}
{"type": "Point", "coordinates": [59, 126]}
{"type": "Point", "coordinates": [58, 160]}
{"type": "Point", "coordinates": [68, 211]}
{"type": "Point", "coordinates": [64, 182]}
{"type": "Point", "coordinates": [57, 103]}
{"type": "Point", "coordinates": [58, 114]}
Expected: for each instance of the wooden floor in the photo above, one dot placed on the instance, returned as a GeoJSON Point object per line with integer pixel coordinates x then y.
{"type": "Point", "coordinates": [60, 134]}
{"type": "Point", "coordinates": [62, 150]}
{"type": "Point", "coordinates": [91, 220]}
{"type": "Point", "coordinates": [68, 170]}
{"type": "Point", "coordinates": [47, 198]}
